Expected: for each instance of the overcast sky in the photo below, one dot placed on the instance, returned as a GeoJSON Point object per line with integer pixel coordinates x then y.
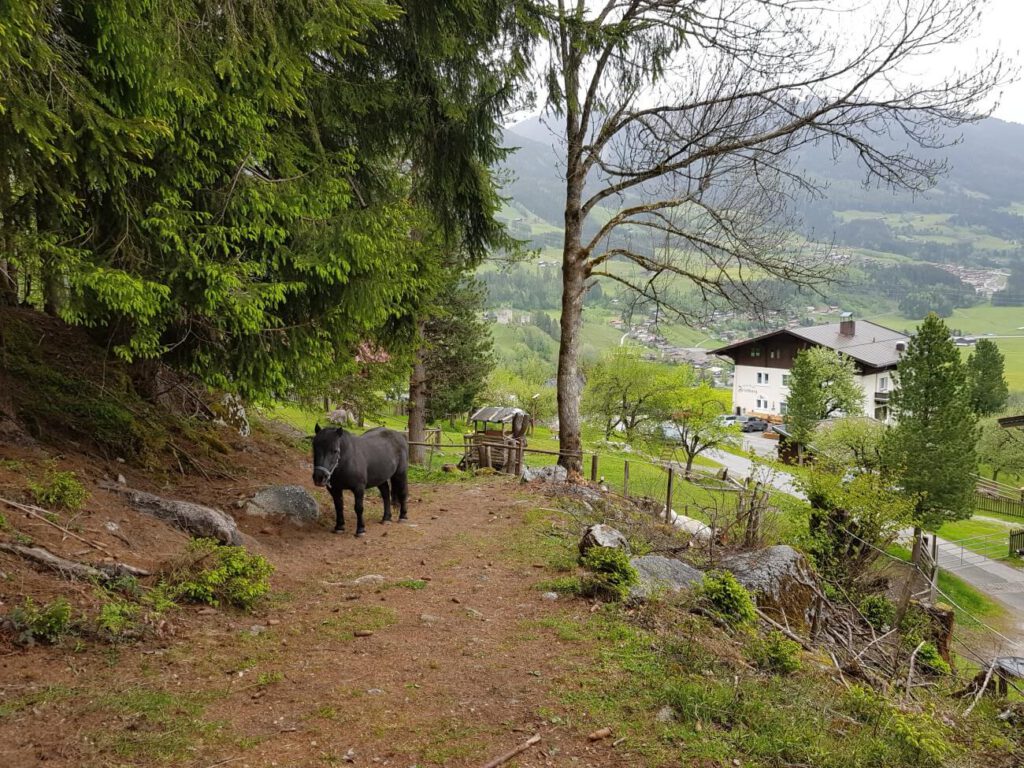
{"type": "Point", "coordinates": [1002, 25]}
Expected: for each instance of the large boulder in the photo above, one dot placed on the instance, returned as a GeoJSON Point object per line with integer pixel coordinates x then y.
{"type": "Point", "coordinates": [601, 535]}
{"type": "Point", "coordinates": [194, 519]}
{"type": "Point", "coordinates": [659, 573]}
{"type": "Point", "coordinates": [289, 501]}
{"type": "Point", "coordinates": [552, 474]}
{"type": "Point", "coordinates": [780, 580]}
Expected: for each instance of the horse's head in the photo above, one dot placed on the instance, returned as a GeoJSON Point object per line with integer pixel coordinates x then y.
{"type": "Point", "coordinates": [326, 453]}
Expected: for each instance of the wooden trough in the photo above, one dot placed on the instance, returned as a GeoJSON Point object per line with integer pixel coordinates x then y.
{"type": "Point", "coordinates": [497, 441]}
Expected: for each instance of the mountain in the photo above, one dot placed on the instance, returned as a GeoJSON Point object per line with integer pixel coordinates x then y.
{"type": "Point", "coordinates": [974, 215]}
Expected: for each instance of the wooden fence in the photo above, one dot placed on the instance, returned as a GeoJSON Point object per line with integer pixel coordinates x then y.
{"type": "Point", "coordinates": [1000, 504]}
{"type": "Point", "coordinates": [1017, 542]}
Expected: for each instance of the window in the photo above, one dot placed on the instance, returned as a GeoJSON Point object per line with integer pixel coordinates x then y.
{"type": "Point", "coordinates": [772, 354]}
{"type": "Point", "coordinates": [755, 351]}
{"type": "Point", "coordinates": [762, 404]}
{"type": "Point", "coordinates": [762, 378]}
{"type": "Point", "coordinates": [883, 384]}
{"type": "Point", "coordinates": [783, 407]}
{"type": "Point", "coordinates": [785, 379]}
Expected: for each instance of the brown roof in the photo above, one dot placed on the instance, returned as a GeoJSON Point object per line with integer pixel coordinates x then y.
{"type": "Point", "coordinates": [871, 344]}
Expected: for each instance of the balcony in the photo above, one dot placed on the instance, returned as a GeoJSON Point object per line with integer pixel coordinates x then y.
{"type": "Point", "coordinates": [882, 397]}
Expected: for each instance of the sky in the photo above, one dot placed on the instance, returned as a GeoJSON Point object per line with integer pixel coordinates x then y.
{"type": "Point", "coordinates": [1001, 25]}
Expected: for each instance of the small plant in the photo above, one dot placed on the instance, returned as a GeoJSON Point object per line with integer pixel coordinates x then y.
{"type": "Point", "coordinates": [611, 573]}
{"type": "Point", "coordinates": [879, 612]}
{"type": "Point", "coordinates": [565, 585]}
{"type": "Point", "coordinates": [48, 623]}
{"type": "Point", "coordinates": [727, 598]}
{"type": "Point", "coordinates": [118, 618]}
{"type": "Point", "coordinates": [59, 489]}
{"type": "Point", "coordinates": [159, 599]}
{"type": "Point", "coordinates": [929, 659]}
{"type": "Point", "coordinates": [4, 525]}
{"type": "Point", "coordinates": [776, 653]}
{"type": "Point", "coordinates": [213, 574]}
{"type": "Point", "coordinates": [414, 584]}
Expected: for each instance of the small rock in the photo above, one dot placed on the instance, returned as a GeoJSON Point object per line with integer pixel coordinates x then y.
{"type": "Point", "coordinates": [601, 535]}
{"type": "Point", "coordinates": [662, 573]}
{"type": "Point", "coordinates": [375, 691]}
{"type": "Point", "coordinates": [257, 629]}
{"type": "Point", "coordinates": [428, 618]}
{"type": "Point", "coordinates": [370, 579]}
{"type": "Point", "coordinates": [665, 715]}
{"type": "Point", "coordinates": [121, 479]}
{"type": "Point", "coordinates": [551, 474]}
{"type": "Point", "coordinates": [449, 468]}
{"type": "Point", "coordinates": [456, 600]}
{"type": "Point", "coordinates": [273, 622]}
{"type": "Point", "coordinates": [600, 733]}
{"type": "Point", "coordinates": [207, 611]}
{"type": "Point", "coordinates": [550, 596]}
{"type": "Point", "coordinates": [350, 756]}
{"type": "Point", "coordinates": [266, 531]}
{"type": "Point", "coordinates": [363, 633]}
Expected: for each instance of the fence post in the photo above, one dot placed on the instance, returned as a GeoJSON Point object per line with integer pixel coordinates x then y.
{"type": "Point", "coordinates": [625, 478]}
{"type": "Point", "coordinates": [668, 498]}
{"type": "Point", "coordinates": [593, 468]}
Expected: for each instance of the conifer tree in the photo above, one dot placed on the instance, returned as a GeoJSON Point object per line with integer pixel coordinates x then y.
{"type": "Point", "coordinates": [821, 384]}
{"type": "Point", "coordinates": [932, 446]}
{"type": "Point", "coordinates": [989, 391]}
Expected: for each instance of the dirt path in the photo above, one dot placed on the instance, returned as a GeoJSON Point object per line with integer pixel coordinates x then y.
{"type": "Point", "coordinates": [458, 668]}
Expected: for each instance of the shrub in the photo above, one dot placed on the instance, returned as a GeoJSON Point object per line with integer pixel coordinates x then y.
{"type": "Point", "coordinates": [727, 598]}
{"type": "Point", "coordinates": [611, 573]}
{"type": "Point", "coordinates": [929, 658]}
{"type": "Point", "coordinates": [47, 623]}
{"type": "Point", "coordinates": [117, 618]}
{"type": "Point", "coordinates": [879, 612]}
{"type": "Point", "coordinates": [59, 489]}
{"type": "Point", "coordinates": [213, 573]}
{"type": "Point", "coordinates": [776, 653]}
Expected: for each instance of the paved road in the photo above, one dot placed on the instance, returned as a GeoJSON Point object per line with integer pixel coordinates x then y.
{"type": "Point", "coordinates": [1001, 581]}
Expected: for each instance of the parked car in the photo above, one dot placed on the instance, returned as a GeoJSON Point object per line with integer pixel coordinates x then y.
{"type": "Point", "coordinates": [729, 419]}
{"type": "Point", "coordinates": [754, 425]}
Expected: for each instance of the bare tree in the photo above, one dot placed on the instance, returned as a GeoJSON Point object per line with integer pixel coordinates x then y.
{"type": "Point", "coordinates": [680, 122]}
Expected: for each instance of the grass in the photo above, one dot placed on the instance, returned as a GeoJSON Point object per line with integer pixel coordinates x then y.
{"type": "Point", "coordinates": [359, 617]}
{"type": "Point", "coordinates": [157, 725]}
{"type": "Point", "coordinates": [722, 713]}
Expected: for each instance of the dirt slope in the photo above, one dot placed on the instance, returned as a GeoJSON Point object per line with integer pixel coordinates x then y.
{"type": "Point", "coordinates": [456, 670]}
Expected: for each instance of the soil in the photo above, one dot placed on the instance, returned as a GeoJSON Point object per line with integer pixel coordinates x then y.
{"type": "Point", "coordinates": [449, 661]}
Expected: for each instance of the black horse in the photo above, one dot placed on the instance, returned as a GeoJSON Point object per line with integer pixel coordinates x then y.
{"type": "Point", "coordinates": [346, 462]}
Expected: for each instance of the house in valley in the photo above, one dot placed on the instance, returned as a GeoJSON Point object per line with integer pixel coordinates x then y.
{"type": "Point", "coordinates": [761, 377]}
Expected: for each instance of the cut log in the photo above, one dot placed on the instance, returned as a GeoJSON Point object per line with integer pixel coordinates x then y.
{"type": "Point", "coordinates": [194, 519]}
{"type": "Point", "coordinates": [71, 568]}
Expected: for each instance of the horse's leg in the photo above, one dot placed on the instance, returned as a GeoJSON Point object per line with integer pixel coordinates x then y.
{"type": "Point", "coordinates": [400, 492]}
{"type": "Point", "coordinates": [339, 509]}
{"type": "Point", "coordinates": [385, 495]}
{"type": "Point", "coordinates": [360, 528]}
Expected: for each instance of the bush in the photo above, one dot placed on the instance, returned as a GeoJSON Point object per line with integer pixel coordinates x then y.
{"type": "Point", "coordinates": [929, 659]}
{"type": "Point", "coordinates": [212, 573]}
{"type": "Point", "coordinates": [776, 653]}
{"type": "Point", "coordinates": [611, 573]}
{"type": "Point", "coordinates": [727, 598]}
{"type": "Point", "coordinates": [47, 623]}
{"type": "Point", "coordinates": [117, 618]}
{"type": "Point", "coordinates": [59, 489]}
{"type": "Point", "coordinates": [879, 612]}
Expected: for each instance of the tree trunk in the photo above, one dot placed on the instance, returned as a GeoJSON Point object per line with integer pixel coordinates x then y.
{"type": "Point", "coordinates": [689, 464]}
{"type": "Point", "coordinates": [569, 439]}
{"type": "Point", "coordinates": [8, 283]}
{"type": "Point", "coordinates": [574, 276]}
{"type": "Point", "coordinates": [418, 410]}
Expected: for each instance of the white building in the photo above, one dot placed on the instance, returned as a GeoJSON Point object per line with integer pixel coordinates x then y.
{"type": "Point", "coordinates": [761, 378]}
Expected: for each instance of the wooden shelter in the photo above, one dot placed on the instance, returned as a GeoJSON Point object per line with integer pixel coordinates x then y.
{"type": "Point", "coordinates": [497, 440]}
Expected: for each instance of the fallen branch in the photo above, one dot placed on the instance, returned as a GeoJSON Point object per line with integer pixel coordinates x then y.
{"type": "Point", "coordinates": [78, 570]}
{"type": "Point", "coordinates": [910, 671]}
{"type": "Point", "coordinates": [981, 689]}
{"type": "Point", "coordinates": [512, 753]}
{"type": "Point", "coordinates": [34, 512]}
{"type": "Point", "coordinates": [785, 630]}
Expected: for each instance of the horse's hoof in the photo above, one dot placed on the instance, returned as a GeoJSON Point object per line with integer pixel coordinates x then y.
{"type": "Point", "coordinates": [360, 534]}
{"type": "Point", "coordinates": [403, 518]}
{"type": "Point", "coordinates": [385, 521]}
{"type": "Point", "coordinates": [339, 530]}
